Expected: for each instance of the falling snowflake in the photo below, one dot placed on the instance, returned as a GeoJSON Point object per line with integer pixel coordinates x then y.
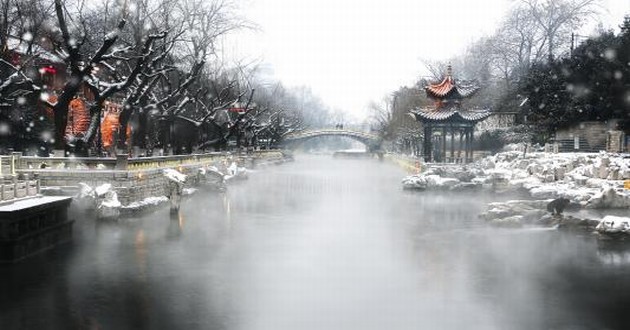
{"type": "Point", "coordinates": [610, 54]}
{"type": "Point", "coordinates": [21, 100]}
{"type": "Point", "coordinates": [44, 96]}
{"type": "Point", "coordinates": [46, 136]}
{"type": "Point", "coordinates": [27, 36]}
{"type": "Point", "coordinates": [5, 129]}
{"type": "Point", "coordinates": [618, 75]}
{"type": "Point", "coordinates": [541, 106]}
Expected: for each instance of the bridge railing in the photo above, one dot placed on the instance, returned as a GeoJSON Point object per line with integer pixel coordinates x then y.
{"type": "Point", "coordinates": [331, 131]}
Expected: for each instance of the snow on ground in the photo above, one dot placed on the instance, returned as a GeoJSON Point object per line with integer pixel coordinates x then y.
{"type": "Point", "coordinates": [28, 202]}
{"type": "Point", "coordinates": [593, 180]}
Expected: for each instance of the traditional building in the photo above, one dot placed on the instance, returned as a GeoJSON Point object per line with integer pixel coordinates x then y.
{"type": "Point", "coordinates": [448, 118]}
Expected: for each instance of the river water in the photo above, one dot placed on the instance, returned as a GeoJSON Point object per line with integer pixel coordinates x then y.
{"type": "Point", "coordinates": [320, 243]}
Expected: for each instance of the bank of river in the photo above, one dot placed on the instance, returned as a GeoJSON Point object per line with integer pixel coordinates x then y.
{"type": "Point", "coordinates": [319, 244]}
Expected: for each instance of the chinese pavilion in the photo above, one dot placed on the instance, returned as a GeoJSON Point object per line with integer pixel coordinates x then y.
{"type": "Point", "coordinates": [448, 118]}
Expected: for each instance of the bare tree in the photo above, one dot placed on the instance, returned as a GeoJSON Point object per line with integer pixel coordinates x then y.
{"type": "Point", "coordinates": [558, 18]}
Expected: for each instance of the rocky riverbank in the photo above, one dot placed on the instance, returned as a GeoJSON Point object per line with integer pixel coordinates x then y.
{"type": "Point", "coordinates": [590, 180]}
{"type": "Point", "coordinates": [585, 181]}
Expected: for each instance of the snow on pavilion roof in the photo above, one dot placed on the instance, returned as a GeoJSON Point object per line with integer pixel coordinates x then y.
{"type": "Point", "coordinates": [451, 114]}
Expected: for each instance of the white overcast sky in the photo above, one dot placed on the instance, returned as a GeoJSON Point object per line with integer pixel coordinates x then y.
{"type": "Point", "coordinates": [353, 51]}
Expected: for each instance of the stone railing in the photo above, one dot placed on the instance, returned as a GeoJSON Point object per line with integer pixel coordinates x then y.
{"type": "Point", "coordinates": [122, 162]}
{"type": "Point", "coordinates": [9, 163]}
{"type": "Point", "coordinates": [12, 188]}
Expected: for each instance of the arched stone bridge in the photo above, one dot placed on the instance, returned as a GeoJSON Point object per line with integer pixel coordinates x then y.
{"type": "Point", "coordinates": [371, 141]}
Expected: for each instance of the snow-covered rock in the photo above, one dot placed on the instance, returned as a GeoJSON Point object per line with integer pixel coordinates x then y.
{"type": "Point", "coordinates": [108, 205]}
{"type": "Point", "coordinates": [86, 197]}
{"type": "Point", "coordinates": [613, 224]}
{"type": "Point", "coordinates": [515, 212]}
{"type": "Point", "coordinates": [101, 190]}
{"type": "Point", "coordinates": [144, 204]}
{"type": "Point", "coordinates": [235, 172]}
{"type": "Point", "coordinates": [174, 175]}
{"type": "Point", "coordinates": [583, 178]}
{"type": "Point", "coordinates": [609, 198]}
{"type": "Point", "coordinates": [614, 227]}
{"type": "Point", "coordinates": [421, 182]}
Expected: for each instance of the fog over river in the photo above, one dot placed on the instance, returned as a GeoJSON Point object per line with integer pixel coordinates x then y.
{"type": "Point", "coordinates": [319, 243]}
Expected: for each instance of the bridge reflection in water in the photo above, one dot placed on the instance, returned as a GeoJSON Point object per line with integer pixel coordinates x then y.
{"type": "Point", "coordinates": [318, 244]}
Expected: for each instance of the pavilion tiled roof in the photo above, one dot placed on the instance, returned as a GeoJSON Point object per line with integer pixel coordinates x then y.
{"type": "Point", "coordinates": [449, 89]}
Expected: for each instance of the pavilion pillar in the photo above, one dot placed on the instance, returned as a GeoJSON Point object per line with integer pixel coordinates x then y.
{"type": "Point", "coordinates": [471, 138]}
{"type": "Point", "coordinates": [465, 141]}
{"type": "Point", "coordinates": [461, 145]}
{"type": "Point", "coordinates": [443, 160]}
{"type": "Point", "coordinates": [427, 143]}
{"type": "Point", "coordinates": [452, 144]}
{"type": "Point", "coordinates": [466, 144]}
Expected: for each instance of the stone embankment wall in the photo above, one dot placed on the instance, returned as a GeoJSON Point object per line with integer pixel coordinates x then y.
{"type": "Point", "coordinates": [591, 137]}
{"type": "Point", "coordinates": [142, 178]}
{"type": "Point", "coordinates": [415, 165]}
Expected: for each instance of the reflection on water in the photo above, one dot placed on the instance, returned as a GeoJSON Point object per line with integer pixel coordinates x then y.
{"type": "Point", "coordinates": [319, 244]}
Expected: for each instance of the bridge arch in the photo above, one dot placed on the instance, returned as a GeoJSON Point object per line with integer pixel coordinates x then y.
{"type": "Point", "coordinates": [371, 141]}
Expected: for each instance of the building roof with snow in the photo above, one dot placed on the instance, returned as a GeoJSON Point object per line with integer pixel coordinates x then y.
{"type": "Point", "coordinates": [451, 115]}
{"type": "Point", "coordinates": [447, 96]}
{"type": "Point", "coordinates": [23, 48]}
{"type": "Point", "coordinates": [449, 89]}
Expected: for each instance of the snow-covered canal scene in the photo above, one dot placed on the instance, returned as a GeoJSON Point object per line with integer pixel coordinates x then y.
{"type": "Point", "coordinates": [329, 164]}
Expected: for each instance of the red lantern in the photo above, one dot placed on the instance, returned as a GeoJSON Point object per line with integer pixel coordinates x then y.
{"type": "Point", "coordinates": [49, 69]}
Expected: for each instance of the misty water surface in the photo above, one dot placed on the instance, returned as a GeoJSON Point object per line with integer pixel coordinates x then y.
{"type": "Point", "coordinates": [319, 244]}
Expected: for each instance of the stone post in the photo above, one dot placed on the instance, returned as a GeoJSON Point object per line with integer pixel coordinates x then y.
{"type": "Point", "coordinates": [122, 161]}
{"type": "Point", "coordinates": [175, 191]}
{"type": "Point", "coordinates": [26, 184]}
{"type": "Point", "coordinates": [37, 184]}
{"type": "Point", "coordinates": [16, 158]}
{"type": "Point", "coordinates": [14, 179]}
